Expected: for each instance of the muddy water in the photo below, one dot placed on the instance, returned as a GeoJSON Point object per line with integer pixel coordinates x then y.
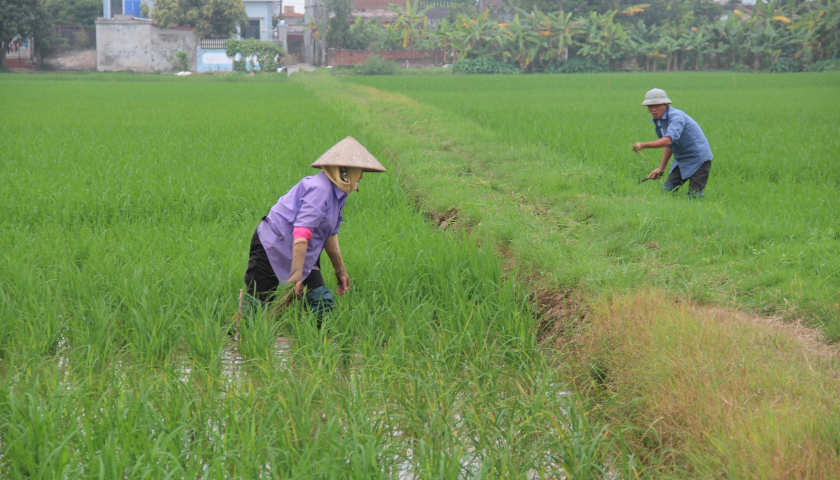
{"type": "Point", "coordinates": [232, 362]}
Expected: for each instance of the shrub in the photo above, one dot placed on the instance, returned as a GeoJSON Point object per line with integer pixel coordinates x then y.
{"type": "Point", "coordinates": [253, 54]}
{"type": "Point", "coordinates": [484, 65]}
{"type": "Point", "coordinates": [785, 65]}
{"type": "Point", "coordinates": [829, 65]}
{"type": "Point", "coordinates": [181, 61]}
{"type": "Point", "coordinates": [376, 65]}
{"type": "Point", "coordinates": [579, 65]}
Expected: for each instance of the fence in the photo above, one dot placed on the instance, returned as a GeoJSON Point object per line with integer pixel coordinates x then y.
{"type": "Point", "coordinates": [214, 43]}
{"type": "Point", "coordinates": [436, 3]}
{"type": "Point", "coordinates": [221, 43]}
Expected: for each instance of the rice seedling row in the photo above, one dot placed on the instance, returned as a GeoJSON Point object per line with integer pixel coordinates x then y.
{"type": "Point", "coordinates": [128, 207]}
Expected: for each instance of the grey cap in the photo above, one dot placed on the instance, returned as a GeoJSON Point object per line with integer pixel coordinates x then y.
{"type": "Point", "coordinates": [657, 96]}
{"type": "Point", "coordinates": [349, 153]}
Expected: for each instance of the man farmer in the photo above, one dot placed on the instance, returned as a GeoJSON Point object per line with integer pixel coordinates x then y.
{"type": "Point", "coordinates": [287, 244]}
{"type": "Point", "coordinates": [679, 135]}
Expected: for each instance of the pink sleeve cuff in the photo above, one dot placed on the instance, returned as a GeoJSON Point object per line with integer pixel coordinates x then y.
{"type": "Point", "coordinates": [302, 232]}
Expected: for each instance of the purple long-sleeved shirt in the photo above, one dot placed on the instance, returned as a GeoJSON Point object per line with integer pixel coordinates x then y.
{"type": "Point", "coordinates": [315, 203]}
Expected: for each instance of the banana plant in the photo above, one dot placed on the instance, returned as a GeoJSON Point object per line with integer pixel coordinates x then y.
{"type": "Point", "coordinates": [820, 29]}
{"type": "Point", "coordinates": [698, 40]}
{"type": "Point", "coordinates": [445, 38]}
{"type": "Point", "coordinates": [522, 44]}
{"type": "Point", "coordinates": [557, 30]}
{"type": "Point", "coordinates": [411, 23]}
{"type": "Point", "coordinates": [641, 41]}
{"type": "Point", "coordinates": [734, 34]}
{"type": "Point", "coordinates": [478, 37]}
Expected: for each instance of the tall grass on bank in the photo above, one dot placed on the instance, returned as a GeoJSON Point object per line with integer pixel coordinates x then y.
{"type": "Point", "coordinates": [126, 225]}
{"type": "Point", "coordinates": [556, 149]}
{"type": "Point", "coordinates": [764, 394]}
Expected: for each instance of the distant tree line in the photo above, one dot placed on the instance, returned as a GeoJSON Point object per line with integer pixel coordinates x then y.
{"type": "Point", "coordinates": [668, 35]}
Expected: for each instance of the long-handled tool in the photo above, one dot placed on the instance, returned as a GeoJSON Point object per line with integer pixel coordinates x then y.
{"type": "Point", "coordinates": [645, 158]}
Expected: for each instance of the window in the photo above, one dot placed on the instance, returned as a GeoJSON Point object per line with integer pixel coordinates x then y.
{"type": "Point", "coordinates": [288, 9]}
{"type": "Point", "coordinates": [252, 30]}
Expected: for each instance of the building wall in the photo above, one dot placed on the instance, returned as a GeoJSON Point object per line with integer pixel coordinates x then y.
{"type": "Point", "coordinates": [403, 58]}
{"type": "Point", "coordinates": [212, 60]}
{"type": "Point", "coordinates": [263, 11]}
{"type": "Point", "coordinates": [297, 4]}
{"type": "Point", "coordinates": [127, 43]}
{"type": "Point", "coordinates": [72, 60]}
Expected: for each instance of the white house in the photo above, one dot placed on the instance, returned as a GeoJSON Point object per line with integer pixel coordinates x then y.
{"type": "Point", "coordinates": [260, 14]}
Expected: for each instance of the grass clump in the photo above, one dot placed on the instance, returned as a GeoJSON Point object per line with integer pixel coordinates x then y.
{"type": "Point", "coordinates": [484, 66]}
{"type": "Point", "coordinates": [376, 65]}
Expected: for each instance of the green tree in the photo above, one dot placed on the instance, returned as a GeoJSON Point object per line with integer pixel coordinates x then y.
{"type": "Point", "coordinates": [74, 12]}
{"type": "Point", "coordinates": [458, 8]}
{"type": "Point", "coordinates": [29, 20]}
{"type": "Point", "coordinates": [16, 18]}
{"type": "Point", "coordinates": [819, 27]}
{"type": "Point", "coordinates": [522, 44]}
{"type": "Point", "coordinates": [478, 37]}
{"type": "Point", "coordinates": [209, 18]}
{"type": "Point", "coordinates": [338, 26]}
{"type": "Point", "coordinates": [411, 22]}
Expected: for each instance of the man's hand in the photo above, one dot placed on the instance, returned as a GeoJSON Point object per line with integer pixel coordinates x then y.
{"type": "Point", "coordinates": [656, 173]}
{"type": "Point", "coordinates": [637, 147]}
{"type": "Point", "coordinates": [298, 289]}
{"type": "Point", "coordinates": [343, 283]}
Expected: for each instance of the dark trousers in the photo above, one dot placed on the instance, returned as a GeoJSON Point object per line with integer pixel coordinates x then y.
{"type": "Point", "coordinates": [260, 279]}
{"type": "Point", "coordinates": [696, 182]}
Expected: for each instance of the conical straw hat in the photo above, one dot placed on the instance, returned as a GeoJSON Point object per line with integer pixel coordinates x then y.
{"type": "Point", "coordinates": [349, 153]}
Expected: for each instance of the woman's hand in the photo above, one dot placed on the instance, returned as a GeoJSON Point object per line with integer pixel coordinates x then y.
{"type": "Point", "coordinates": [298, 289]}
{"type": "Point", "coordinates": [343, 283]}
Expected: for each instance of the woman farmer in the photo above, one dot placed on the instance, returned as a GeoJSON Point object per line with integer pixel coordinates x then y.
{"type": "Point", "coordinates": [287, 244]}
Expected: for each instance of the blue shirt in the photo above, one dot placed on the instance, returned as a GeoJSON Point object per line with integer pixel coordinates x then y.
{"type": "Point", "coordinates": [690, 147]}
{"type": "Point", "coordinates": [315, 203]}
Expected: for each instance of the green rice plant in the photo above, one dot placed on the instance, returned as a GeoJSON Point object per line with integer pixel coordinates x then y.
{"type": "Point", "coordinates": [154, 329]}
{"type": "Point", "coordinates": [205, 337]}
{"type": "Point", "coordinates": [92, 333]}
{"type": "Point", "coordinates": [258, 332]}
{"type": "Point", "coordinates": [429, 360]}
{"type": "Point", "coordinates": [37, 432]}
{"type": "Point", "coordinates": [7, 322]}
{"type": "Point", "coordinates": [41, 335]}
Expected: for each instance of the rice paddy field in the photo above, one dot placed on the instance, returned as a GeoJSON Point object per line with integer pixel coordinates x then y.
{"type": "Point", "coordinates": [767, 236]}
{"type": "Point", "coordinates": [512, 311]}
{"type": "Point", "coordinates": [128, 208]}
